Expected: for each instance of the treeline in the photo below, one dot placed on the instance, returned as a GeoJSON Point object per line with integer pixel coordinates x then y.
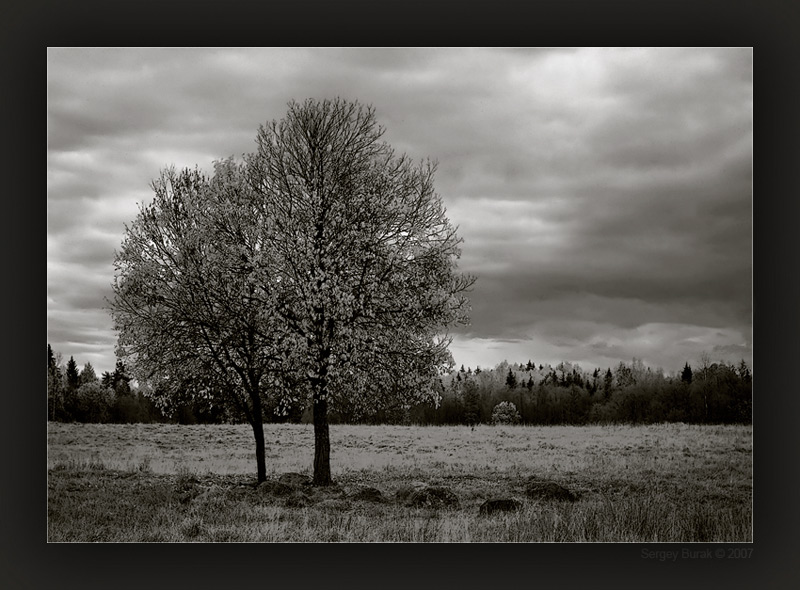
{"type": "Point", "coordinates": [79, 395]}
{"type": "Point", "coordinates": [629, 393]}
{"type": "Point", "coordinates": [75, 395]}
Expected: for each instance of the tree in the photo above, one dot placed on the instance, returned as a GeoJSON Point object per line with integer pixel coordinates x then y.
{"type": "Point", "coordinates": [94, 402]}
{"type": "Point", "coordinates": [505, 413]}
{"type": "Point", "coordinates": [624, 376]}
{"type": "Point", "coordinates": [511, 379]}
{"type": "Point", "coordinates": [87, 374]}
{"type": "Point", "coordinates": [52, 364]}
{"type": "Point", "coordinates": [595, 384]}
{"type": "Point", "coordinates": [364, 260]}
{"type": "Point", "coordinates": [321, 267]}
{"type": "Point", "coordinates": [120, 380]}
{"type": "Point", "coordinates": [55, 386]}
{"type": "Point", "coordinates": [686, 374]}
{"type": "Point", "coordinates": [191, 319]}
{"type": "Point", "coordinates": [743, 371]}
{"type": "Point", "coordinates": [472, 410]}
{"type": "Point", "coordinates": [608, 383]}
{"type": "Point", "coordinates": [73, 377]}
{"type": "Point", "coordinates": [743, 394]}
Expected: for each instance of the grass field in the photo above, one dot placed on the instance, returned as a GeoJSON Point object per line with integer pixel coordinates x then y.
{"type": "Point", "coordinates": [147, 483]}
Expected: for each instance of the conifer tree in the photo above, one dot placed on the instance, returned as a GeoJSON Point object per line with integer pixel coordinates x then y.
{"type": "Point", "coordinates": [686, 374]}
{"type": "Point", "coordinates": [73, 377]}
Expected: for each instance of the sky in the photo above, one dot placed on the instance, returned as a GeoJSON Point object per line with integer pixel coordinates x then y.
{"type": "Point", "coordinates": [603, 195]}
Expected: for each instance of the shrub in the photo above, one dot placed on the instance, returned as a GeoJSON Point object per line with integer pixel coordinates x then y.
{"type": "Point", "coordinates": [94, 403]}
{"type": "Point", "coordinates": [505, 413]}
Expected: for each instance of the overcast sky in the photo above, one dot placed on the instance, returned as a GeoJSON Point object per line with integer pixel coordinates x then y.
{"type": "Point", "coordinates": [604, 196]}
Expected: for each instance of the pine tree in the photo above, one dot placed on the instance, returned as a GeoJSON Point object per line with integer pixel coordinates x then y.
{"type": "Point", "coordinates": [511, 379]}
{"type": "Point", "coordinates": [595, 384]}
{"type": "Point", "coordinates": [51, 359]}
{"type": "Point", "coordinates": [87, 374]}
{"type": "Point", "coordinates": [73, 377]}
{"type": "Point", "coordinates": [608, 383]}
{"type": "Point", "coordinates": [55, 387]}
{"type": "Point", "coordinates": [686, 374]}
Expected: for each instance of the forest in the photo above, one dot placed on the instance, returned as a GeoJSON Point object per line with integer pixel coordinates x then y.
{"type": "Point", "coordinates": [523, 393]}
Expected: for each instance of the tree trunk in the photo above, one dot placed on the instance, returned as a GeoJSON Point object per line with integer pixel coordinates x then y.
{"type": "Point", "coordinates": [258, 431]}
{"type": "Point", "coordinates": [322, 443]}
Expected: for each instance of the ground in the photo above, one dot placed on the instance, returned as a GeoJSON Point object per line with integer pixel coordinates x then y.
{"type": "Point", "coordinates": [671, 482]}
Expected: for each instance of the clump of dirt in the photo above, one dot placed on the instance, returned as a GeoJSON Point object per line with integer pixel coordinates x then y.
{"type": "Point", "coordinates": [288, 485]}
{"type": "Point", "coordinates": [323, 492]}
{"type": "Point", "coordinates": [404, 492]}
{"type": "Point", "coordinates": [538, 489]}
{"type": "Point", "coordinates": [368, 494]}
{"type": "Point", "coordinates": [432, 497]}
{"type": "Point", "coordinates": [296, 491]}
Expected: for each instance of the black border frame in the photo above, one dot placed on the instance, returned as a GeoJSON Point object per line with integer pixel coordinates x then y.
{"type": "Point", "coordinates": [27, 561]}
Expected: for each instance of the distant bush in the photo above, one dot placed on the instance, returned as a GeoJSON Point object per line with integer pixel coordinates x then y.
{"type": "Point", "coordinates": [94, 402]}
{"type": "Point", "coordinates": [505, 413]}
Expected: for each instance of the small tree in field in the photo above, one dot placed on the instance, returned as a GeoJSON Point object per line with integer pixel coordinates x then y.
{"type": "Point", "coordinates": [190, 317]}
{"type": "Point", "coordinates": [505, 413]}
{"type": "Point", "coordinates": [363, 261]}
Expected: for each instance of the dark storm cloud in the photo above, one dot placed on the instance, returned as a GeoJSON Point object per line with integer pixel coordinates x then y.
{"type": "Point", "coordinates": [604, 195]}
{"type": "Point", "coordinates": [646, 219]}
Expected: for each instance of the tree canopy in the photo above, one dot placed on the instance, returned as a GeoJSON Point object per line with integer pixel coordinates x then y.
{"type": "Point", "coordinates": [190, 316]}
{"type": "Point", "coordinates": [322, 267]}
{"type": "Point", "coordinates": [363, 259]}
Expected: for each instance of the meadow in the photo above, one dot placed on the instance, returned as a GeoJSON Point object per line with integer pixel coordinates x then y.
{"type": "Point", "coordinates": [175, 483]}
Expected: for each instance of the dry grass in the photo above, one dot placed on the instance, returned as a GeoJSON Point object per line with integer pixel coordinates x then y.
{"type": "Point", "coordinates": [194, 483]}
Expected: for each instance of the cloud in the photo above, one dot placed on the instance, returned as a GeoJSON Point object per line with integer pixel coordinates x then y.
{"type": "Point", "coordinates": [604, 195]}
